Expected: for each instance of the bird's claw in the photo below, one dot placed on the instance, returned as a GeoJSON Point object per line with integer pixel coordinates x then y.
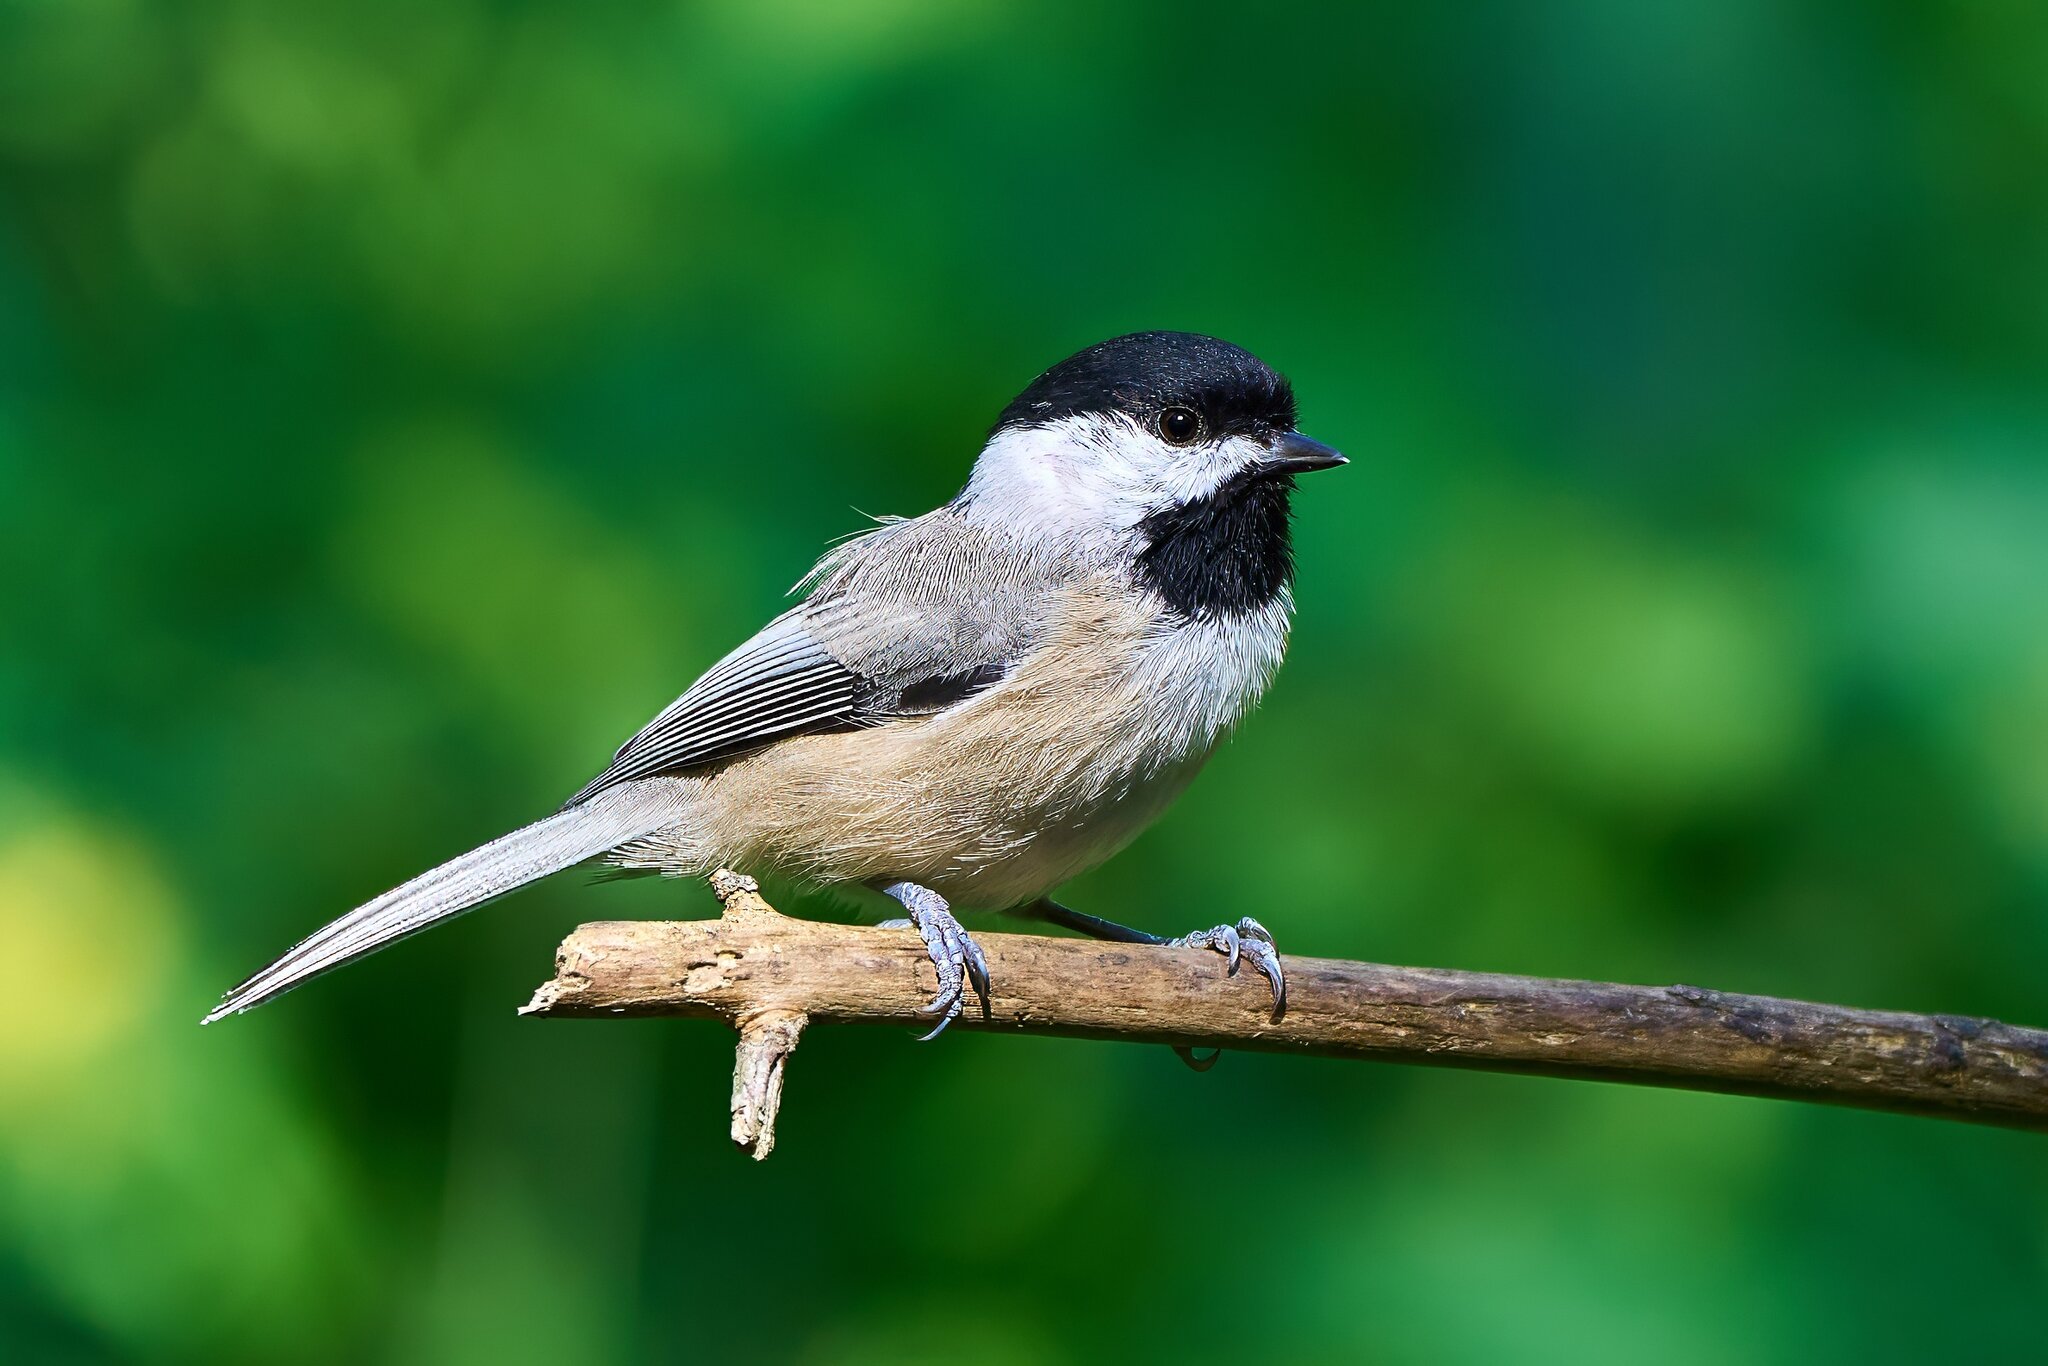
{"type": "Point", "coordinates": [955, 956]}
{"type": "Point", "coordinates": [1246, 941]}
{"type": "Point", "coordinates": [977, 972]}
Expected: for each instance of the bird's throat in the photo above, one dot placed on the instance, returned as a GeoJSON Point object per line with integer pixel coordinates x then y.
{"type": "Point", "coordinates": [1223, 554]}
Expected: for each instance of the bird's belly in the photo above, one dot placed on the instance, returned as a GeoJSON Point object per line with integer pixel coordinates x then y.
{"type": "Point", "coordinates": [1000, 799]}
{"type": "Point", "coordinates": [986, 821]}
{"type": "Point", "coordinates": [1036, 855]}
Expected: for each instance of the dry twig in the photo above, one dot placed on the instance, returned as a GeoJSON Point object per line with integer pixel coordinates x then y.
{"type": "Point", "coordinates": [768, 975]}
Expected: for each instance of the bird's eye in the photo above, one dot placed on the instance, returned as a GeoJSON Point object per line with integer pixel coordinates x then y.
{"type": "Point", "coordinates": [1179, 426]}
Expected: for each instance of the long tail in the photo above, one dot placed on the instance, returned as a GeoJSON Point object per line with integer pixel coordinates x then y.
{"type": "Point", "coordinates": [461, 884]}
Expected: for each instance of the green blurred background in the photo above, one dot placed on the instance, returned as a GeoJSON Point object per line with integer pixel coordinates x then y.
{"type": "Point", "coordinates": [400, 401]}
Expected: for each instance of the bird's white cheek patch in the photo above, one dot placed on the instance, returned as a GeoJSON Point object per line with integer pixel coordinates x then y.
{"type": "Point", "coordinates": [1073, 475]}
{"type": "Point", "coordinates": [1098, 473]}
{"type": "Point", "coordinates": [1189, 474]}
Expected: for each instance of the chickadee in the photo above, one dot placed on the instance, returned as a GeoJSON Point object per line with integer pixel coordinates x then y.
{"type": "Point", "coordinates": [972, 706]}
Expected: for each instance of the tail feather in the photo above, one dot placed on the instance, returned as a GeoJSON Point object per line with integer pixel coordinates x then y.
{"type": "Point", "coordinates": [461, 884]}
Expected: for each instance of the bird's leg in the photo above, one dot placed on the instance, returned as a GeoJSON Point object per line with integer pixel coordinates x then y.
{"type": "Point", "coordinates": [1247, 939]}
{"type": "Point", "coordinates": [1045, 908]}
{"type": "Point", "coordinates": [954, 954]}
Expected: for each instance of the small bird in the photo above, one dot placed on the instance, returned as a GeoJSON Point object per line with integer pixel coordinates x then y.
{"type": "Point", "coordinates": [970, 707]}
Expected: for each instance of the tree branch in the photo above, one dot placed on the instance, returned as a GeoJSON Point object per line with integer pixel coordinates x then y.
{"type": "Point", "coordinates": [768, 975]}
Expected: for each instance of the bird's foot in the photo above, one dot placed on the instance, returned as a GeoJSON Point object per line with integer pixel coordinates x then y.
{"type": "Point", "coordinates": [955, 956]}
{"type": "Point", "coordinates": [1246, 941]}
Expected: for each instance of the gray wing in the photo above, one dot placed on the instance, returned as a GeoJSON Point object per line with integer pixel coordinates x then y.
{"type": "Point", "coordinates": [892, 630]}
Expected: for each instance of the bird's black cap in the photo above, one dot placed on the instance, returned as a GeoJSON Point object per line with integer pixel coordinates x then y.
{"type": "Point", "coordinates": [1138, 375]}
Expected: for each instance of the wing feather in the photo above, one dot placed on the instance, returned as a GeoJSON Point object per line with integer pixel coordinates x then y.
{"type": "Point", "coordinates": [781, 682]}
{"type": "Point", "coordinates": [895, 627]}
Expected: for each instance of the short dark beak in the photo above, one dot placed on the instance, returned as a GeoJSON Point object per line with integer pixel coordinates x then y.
{"type": "Point", "coordinates": [1293, 453]}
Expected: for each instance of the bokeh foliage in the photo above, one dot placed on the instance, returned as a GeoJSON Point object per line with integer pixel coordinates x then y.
{"type": "Point", "coordinates": [399, 401]}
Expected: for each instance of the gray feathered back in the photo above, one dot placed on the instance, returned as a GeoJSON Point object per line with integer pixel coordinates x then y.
{"type": "Point", "coordinates": [904, 619]}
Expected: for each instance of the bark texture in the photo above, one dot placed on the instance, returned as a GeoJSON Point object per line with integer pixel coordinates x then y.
{"type": "Point", "coordinates": [768, 975]}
